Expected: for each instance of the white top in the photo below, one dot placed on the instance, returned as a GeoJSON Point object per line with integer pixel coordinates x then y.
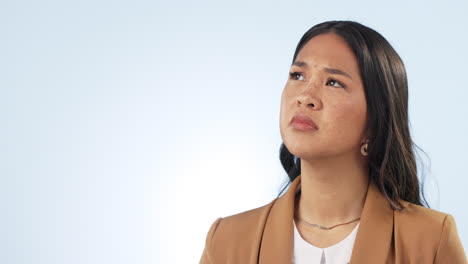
{"type": "Point", "coordinates": [340, 253]}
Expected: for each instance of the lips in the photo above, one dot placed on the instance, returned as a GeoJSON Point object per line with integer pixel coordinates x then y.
{"type": "Point", "coordinates": [303, 122]}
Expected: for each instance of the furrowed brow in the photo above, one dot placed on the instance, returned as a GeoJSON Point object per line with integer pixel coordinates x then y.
{"type": "Point", "coordinates": [303, 64]}
{"type": "Point", "coordinates": [338, 71]}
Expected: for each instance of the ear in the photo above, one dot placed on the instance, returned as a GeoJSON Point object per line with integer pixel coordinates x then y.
{"type": "Point", "coordinates": [366, 136]}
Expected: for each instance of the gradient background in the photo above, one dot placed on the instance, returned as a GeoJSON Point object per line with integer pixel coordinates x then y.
{"type": "Point", "coordinates": [128, 127]}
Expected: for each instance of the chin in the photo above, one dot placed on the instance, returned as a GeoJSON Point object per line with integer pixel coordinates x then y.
{"type": "Point", "coordinates": [301, 149]}
{"type": "Point", "coordinates": [309, 155]}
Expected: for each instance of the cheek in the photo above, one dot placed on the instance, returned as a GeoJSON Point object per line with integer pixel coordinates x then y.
{"type": "Point", "coordinates": [348, 119]}
{"type": "Point", "coordinates": [284, 107]}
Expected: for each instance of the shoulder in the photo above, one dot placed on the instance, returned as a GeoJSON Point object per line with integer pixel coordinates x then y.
{"type": "Point", "coordinates": [227, 234]}
{"type": "Point", "coordinates": [421, 229]}
{"type": "Point", "coordinates": [419, 217]}
{"type": "Point", "coordinates": [244, 223]}
{"type": "Point", "coordinates": [416, 226]}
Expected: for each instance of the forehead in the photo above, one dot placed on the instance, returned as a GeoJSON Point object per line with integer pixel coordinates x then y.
{"type": "Point", "coordinates": [329, 50]}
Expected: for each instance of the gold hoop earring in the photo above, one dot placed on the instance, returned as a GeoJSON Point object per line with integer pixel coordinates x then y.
{"type": "Point", "coordinates": [364, 148]}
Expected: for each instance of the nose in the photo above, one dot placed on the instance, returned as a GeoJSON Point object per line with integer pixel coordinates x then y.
{"type": "Point", "coordinates": [306, 99]}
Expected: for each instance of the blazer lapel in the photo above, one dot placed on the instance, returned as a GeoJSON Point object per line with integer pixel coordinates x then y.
{"type": "Point", "coordinates": [277, 241]}
{"type": "Point", "coordinates": [373, 241]}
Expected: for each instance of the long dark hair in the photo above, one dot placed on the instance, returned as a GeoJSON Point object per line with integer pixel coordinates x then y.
{"type": "Point", "coordinates": [392, 164]}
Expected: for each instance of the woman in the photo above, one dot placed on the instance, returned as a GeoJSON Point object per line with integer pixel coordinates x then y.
{"type": "Point", "coordinates": [354, 195]}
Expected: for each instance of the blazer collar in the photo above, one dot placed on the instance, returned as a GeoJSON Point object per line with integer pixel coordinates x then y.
{"type": "Point", "coordinates": [373, 242]}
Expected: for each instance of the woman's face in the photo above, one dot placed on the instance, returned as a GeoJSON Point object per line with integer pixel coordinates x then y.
{"type": "Point", "coordinates": [324, 85]}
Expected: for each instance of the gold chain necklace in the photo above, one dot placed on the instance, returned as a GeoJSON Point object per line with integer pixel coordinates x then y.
{"type": "Point", "coordinates": [323, 227]}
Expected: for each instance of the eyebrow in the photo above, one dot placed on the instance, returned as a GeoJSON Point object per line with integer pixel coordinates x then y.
{"type": "Point", "coordinates": [303, 64]}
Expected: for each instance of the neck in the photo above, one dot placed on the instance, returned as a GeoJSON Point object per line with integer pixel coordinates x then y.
{"type": "Point", "coordinates": [333, 190]}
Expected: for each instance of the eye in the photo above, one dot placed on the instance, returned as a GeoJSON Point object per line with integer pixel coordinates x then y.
{"type": "Point", "coordinates": [296, 76]}
{"type": "Point", "coordinates": [334, 83]}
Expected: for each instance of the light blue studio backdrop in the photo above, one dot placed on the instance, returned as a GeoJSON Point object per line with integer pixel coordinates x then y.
{"type": "Point", "coordinates": [127, 128]}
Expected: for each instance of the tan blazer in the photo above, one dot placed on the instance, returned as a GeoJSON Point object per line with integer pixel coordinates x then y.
{"type": "Point", "coordinates": [265, 235]}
